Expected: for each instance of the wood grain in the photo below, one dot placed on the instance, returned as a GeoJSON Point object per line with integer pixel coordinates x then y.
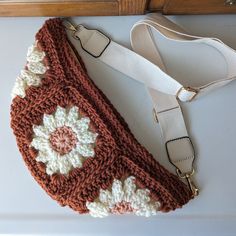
{"type": "Point", "coordinates": [131, 7]}
{"type": "Point", "coordinates": [61, 8]}
{"type": "Point", "coordinates": [197, 7]}
{"type": "Point", "coordinates": [156, 5]}
{"type": "Point", "coordinates": [72, 7]}
{"type": "Point", "coordinates": [111, 7]}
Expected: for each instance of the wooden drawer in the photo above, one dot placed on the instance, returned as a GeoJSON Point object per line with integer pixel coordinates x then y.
{"type": "Point", "coordinates": [193, 6]}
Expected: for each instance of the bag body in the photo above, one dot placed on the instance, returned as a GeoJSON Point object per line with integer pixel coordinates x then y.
{"type": "Point", "coordinates": [74, 142]}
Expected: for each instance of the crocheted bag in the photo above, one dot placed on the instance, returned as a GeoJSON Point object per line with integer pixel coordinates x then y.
{"type": "Point", "coordinates": [74, 142]}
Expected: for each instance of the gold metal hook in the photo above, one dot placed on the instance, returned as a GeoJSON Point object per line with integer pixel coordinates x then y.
{"type": "Point", "coordinates": [69, 25]}
{"type": "Point", "coordinates": [192, 186]}
{"type": "Point", "coordinates": [187, 176]}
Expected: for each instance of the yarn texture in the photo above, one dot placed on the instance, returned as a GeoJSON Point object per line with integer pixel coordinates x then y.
{"type": "Point", "coordinates": [31, 75]}
{"type": "Point", "coordinates": [123, 198]}
{"type": "Point", "coordinates": [74, 142]}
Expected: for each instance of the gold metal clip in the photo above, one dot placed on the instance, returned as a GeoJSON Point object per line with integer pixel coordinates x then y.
{"type": "Point", "coordinates": [68, 25]}
{"type": "Point", "coordinates": [192, 186]}
{"type": "Point", "coordinates": [187, 176]}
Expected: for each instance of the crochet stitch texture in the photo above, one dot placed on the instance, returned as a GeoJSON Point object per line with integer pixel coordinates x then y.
{"type": "Point", "coordinates": [115, 158]}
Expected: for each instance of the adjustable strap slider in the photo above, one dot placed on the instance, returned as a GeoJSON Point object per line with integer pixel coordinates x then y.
{"type": "Point", "coordinates": [187, 94]}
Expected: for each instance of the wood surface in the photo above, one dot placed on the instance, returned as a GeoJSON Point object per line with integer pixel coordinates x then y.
{"type": "Point", "coordinates": [111, 7]}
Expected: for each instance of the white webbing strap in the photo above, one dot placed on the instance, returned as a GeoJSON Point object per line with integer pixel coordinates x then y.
{"type": "Point", "coordinates": [145, 65]}
{"type": "Point", "coordinates": [166, 107]}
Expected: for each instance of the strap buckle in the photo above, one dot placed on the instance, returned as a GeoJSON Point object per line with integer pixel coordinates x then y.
{"type": "Point", "coordinates": [187, 94]}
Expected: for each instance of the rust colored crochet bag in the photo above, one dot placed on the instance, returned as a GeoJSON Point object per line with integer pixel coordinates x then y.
{"type": "Point", "coordinates": [74, 142]}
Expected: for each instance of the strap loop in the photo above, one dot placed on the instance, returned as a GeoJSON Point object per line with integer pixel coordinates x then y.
{"type": "Point", "coordinates": [181, 153]}
{"type": "Point", "coordinates": [92, 41]}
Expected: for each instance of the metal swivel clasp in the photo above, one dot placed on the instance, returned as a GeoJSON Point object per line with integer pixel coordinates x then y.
{"type": "Point", "coordinates": [187, 176]}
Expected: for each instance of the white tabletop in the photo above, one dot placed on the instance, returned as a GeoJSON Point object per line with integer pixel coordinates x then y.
{"type": "Point", "coordinates": [25, 207]}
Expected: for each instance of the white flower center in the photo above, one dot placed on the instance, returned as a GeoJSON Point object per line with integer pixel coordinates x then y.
{"type": "Point", "coordinates": [63, 140]}
{"type": "Point", "coordinates": [122, 208]}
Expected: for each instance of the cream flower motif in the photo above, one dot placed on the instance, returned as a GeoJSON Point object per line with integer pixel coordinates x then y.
{"type": "Point", "coordinates": [63, 140]}
{"type": "Point", "coordinates": [32, 75]}
{"type": "Point", "coordinates": [34, 54]}
{"type": "Point", "coordinates": [123, 198]}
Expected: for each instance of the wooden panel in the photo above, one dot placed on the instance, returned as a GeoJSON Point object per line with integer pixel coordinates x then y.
{"type": "Point", "coordinates": [111, 7]}
{"type": "Point", "coordinates": [132, 7]}
{"type": "Point", "coordinates": [71, 7]}
{"type": "Point", "coordinates": [155, 5]}
{"type": "Point", "coordinates": [197, 7]}
{"type": "Point", "coordinates": [59, 8]}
